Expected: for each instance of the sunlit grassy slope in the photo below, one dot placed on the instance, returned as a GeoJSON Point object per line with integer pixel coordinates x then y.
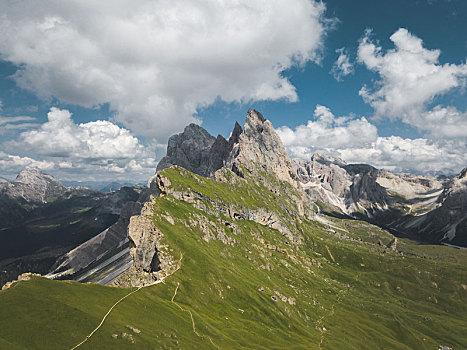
{"type": "Point", "coordinates": [339, 289]}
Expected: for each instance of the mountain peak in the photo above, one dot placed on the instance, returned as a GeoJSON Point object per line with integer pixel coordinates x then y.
{"type": "Point", "coordinates": [34, 186]}
{"type": "Point", "coordinates": [189, 149]}
{"type": "Point", "coordinates": [462, 174]}
{"type": "Point", "coordinates": [254, 117]}
{"type": "Point", "coordinates": [237, 131]}
{"type": "Point", "coordinates": [325, 159]}
{"type": "Point", "coordinates": [33, 176]}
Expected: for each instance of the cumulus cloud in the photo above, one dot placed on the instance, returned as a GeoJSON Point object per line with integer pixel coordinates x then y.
{"type": "Point", "coordinates": [410, 75]}
{"type": "Point", "coordinates": [342, 67]}
{"type": "Point", "coordinates": [327, 133]}
{"type": "Point", "coordinates": [98, 148]}
{"type": "Point", "coordinates": [443, 122]}
{"type": "Point", "coordinates": [419, 156]}
{"type": "Point", "coordinates": [157, 62]}
{"type": "Point", "coordinates": [11, 165]}
{"type": "Point", "coordinates": [356, 140]}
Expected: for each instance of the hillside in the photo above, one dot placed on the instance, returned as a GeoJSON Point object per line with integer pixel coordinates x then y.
{"type": "Point", "coordinates": [246, 259]}
{"type": "Point", "coordinates": [246, 284]}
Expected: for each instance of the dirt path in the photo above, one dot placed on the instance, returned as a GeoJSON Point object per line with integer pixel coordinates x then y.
{"type": "Point", "coordinates": [192, 319]}
{"type": "Point", "coordinates": [123, 298]}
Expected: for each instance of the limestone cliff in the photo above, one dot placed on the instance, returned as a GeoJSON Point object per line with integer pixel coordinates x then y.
{"type": "Point", "coordinates": [191, 150]}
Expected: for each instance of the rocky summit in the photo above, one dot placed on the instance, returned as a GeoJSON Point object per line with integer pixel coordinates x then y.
{"type": "Point", "coordinates": [234, 245]}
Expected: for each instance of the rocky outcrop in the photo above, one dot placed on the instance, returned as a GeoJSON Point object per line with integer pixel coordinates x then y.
{"type": "Point", "coordinates": [103, 249]}
{"type": "Point", "coordinates": [260, 147]}
{"type": "Point", "coordinates": [23, 277]}
{"type": "Point", "coordinates": [191, 150]}
{"type": "Point", "coordinates": [393, 244]}
{"type": "Point", "coordinates": [151, 258]}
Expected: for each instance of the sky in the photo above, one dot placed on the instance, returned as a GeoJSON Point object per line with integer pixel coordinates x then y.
{"type": "Point", "coordinates": [92, 91]}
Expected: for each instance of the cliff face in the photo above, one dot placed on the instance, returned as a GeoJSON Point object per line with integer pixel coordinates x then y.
{"type": "Point", "coordinates": [190, 150]}
{"type": "Point", "coordinates": [259, 146]}
{"type": "Point", "coordinates": [448, 221]}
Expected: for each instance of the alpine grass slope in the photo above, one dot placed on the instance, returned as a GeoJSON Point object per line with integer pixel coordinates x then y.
{"type": "Point", "coordinates": [250, 263]}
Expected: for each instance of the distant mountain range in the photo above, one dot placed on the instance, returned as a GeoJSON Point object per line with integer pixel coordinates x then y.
{"type": "Point", "coordinates": [103, 186]}
{"type": "Point", "coordinates": [41, 219]}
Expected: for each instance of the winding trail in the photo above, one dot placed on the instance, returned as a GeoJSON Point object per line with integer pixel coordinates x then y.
{"type": "Point", "coordinates": [192, 319]}
{"type": "Point", "coordinates": [126, 296]}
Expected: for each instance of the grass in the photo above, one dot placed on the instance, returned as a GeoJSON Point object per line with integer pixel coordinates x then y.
{"type": "Point", "coordinates": [339, 289]}
{"type": "Point", "coordinates": [82, 210]}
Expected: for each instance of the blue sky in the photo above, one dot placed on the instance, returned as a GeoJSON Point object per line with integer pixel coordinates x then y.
{"type": "Point", "coordinates": [93, 93]}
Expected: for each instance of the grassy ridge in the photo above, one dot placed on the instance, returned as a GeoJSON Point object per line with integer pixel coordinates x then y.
{"type": "Point", "coordinates": [341, 288]}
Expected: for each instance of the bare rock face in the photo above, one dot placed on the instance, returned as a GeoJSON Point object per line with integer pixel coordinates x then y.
{"type": "Point", "coordinates": [260, 145]}
{"type": "Point", "coordinates": [30, 189]}
{"type": "Point", "coordinates": [35, 186]}
{"type": "Point", "coordinates": [393, 244]}
{"type": "Point", "coordinates": [143, 236]}
{"type": "Point", "coordinates": [324, 179]}
{"type": "Point", "coordinates": [221, 149]}
{"type": "Point", "coordinates": [259, 151]}
{"type": "Point", "coordinates": [190, 150]}
{"type": "Point", "coordinates": [428, 209]}
{"type": "Point", "coordinates": [448, 222]}
{"type": "Point", "coordinates": [151, 261]}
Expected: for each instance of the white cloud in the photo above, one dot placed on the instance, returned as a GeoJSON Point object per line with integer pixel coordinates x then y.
{"type": "Point", "coordinates": [342, 67]}
{"type": "Point", "coordinates": [11, 165]}
{"type": "Point", "coordinates": [419, 156]}
{"type": "Point", "coordinates": [15, 123]}
{"type": "Point", "coordinates": [94, 149]}
{"type": "Point", "coordinates": [357, 141]}
{"type": "Point", "coordinates": [9, 120]}
{"type": "Point", "coordinates": [410, 78]}
{"type": "Point", "coordinates": [327, 132]}
{"type": "Point", "coordinates": [443, 122]}
{"type": "Point", "coordinates": [61, 137]}
{"type": "Point", "coordinates": [156, 62]}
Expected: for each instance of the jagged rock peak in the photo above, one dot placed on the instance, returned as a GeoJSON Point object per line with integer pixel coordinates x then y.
{"type": "Point", "coordinates": [190, 150]}
{"type": "Point", "coordinates": [33, 176]}
{"type": "Point", "coordinates": [327, 160]}
{"type": "Point", "coordinates": [260, 145]}
{"type": "Point", "coordinates": [463, 174]}
{"type": "Point", "coordinates": [32, 185]}
{"type": "Point", "coordinates": [237, 131]}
